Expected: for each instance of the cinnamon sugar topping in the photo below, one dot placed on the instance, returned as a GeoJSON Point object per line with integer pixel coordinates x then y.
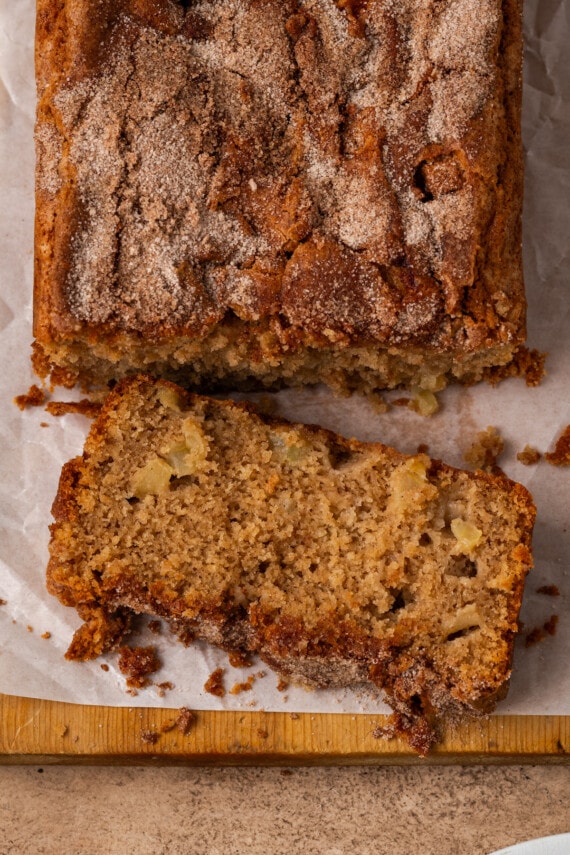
{"type": "Point", "coordinates": [216, 154]}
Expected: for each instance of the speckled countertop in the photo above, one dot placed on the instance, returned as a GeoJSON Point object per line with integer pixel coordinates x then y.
{"type": "Point", "coordinates": [166, 811]}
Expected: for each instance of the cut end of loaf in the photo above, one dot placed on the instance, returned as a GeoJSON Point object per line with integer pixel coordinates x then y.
{"type": "Point", "coordinates": [278, 192]}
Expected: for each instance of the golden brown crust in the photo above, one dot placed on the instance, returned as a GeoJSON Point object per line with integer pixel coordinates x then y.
{"type": "Point", "coordinates": [411, 594]}
{"type": "Point", "coordinates": [332, 176]}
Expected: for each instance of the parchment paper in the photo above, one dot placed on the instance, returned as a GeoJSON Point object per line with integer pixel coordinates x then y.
{"type": "Point", "coordinates": [32, 454]}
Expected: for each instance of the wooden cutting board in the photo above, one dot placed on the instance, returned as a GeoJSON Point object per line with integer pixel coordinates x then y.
{"type": "Point", "coordinates": [40, 732]}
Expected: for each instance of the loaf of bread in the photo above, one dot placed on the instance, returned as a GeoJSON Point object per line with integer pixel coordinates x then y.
{"type": "Point", "coordinates": [295, 191]}
{"type": "Point", "coordinates": [337, 562]}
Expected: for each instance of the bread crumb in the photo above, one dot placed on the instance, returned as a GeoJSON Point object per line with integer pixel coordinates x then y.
{"type": "Point", "coordinates": [185, 720]}
{"type": "Point", "coordinates": [529, 455]}
{"type": "Point", "coordinates": [539, 633]}
{"type": "Point", "coordinates": [3, 602]}
{"type": "Point", "coordinates": [561, 454]}
{"type": "Point", "coordinates": [387, 731]}
{"type": "Point", "coordinates": [34, 397]}
{"type": "Point", "coordinates": [484, 452]}
{"type": "Point", "coordinates": [30, 628]}
{"type": "Point", "coordinates": [150, 737]}
{"type": "Point", "coordinates": [238, 688]}
{"type": "Point", "coordinates": [549, 590]}
{"type": "Point", "coordinates": [214, 685]}
{"type": "Point", "coordinates": [136, 663]}
{"type": "Point", "coordinates": [551, 624]}
{"type": "Point", "coordinates": [104, 667]}
{"type": "Point", "coordinates": [85, 407]}
{"type": "Point", "coordinates": [46, 635]}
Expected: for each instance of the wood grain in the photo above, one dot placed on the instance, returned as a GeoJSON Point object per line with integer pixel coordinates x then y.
{"type": "Point", "coordinates": [40, 732]}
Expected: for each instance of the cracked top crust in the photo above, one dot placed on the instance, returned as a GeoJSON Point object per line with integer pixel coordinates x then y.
{"type": "Point", "coordinates": [340, 172]}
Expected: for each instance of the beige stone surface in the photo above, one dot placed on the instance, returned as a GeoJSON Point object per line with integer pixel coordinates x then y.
{"type": "Point", "coordinates": [430, 810]}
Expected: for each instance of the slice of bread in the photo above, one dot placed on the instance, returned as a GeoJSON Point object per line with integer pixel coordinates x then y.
{"type": "Point", "coordinates": [337, 562]}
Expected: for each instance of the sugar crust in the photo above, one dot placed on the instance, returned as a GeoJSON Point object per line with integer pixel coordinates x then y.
{"type": "Point", "coordinates": [292, 183]}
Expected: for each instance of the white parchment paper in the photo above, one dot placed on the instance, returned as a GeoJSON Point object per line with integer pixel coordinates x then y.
{"type": "Point", "coordinates": [31, 454]}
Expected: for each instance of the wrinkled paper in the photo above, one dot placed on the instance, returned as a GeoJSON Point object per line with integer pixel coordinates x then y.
{"type": "Point", "coordinates": [35, 445]}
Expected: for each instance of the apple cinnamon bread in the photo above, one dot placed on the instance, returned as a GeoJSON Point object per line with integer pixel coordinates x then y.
{"type": "Point", "coordinates": [337, 562]}
{"type": "Point", "coordinates": [291, 191]}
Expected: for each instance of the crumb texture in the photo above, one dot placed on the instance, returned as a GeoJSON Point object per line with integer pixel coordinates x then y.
{"type": "Point", "coordinates": [338, 562]}
{"type": "Point", "coordinates": [335, 175]}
